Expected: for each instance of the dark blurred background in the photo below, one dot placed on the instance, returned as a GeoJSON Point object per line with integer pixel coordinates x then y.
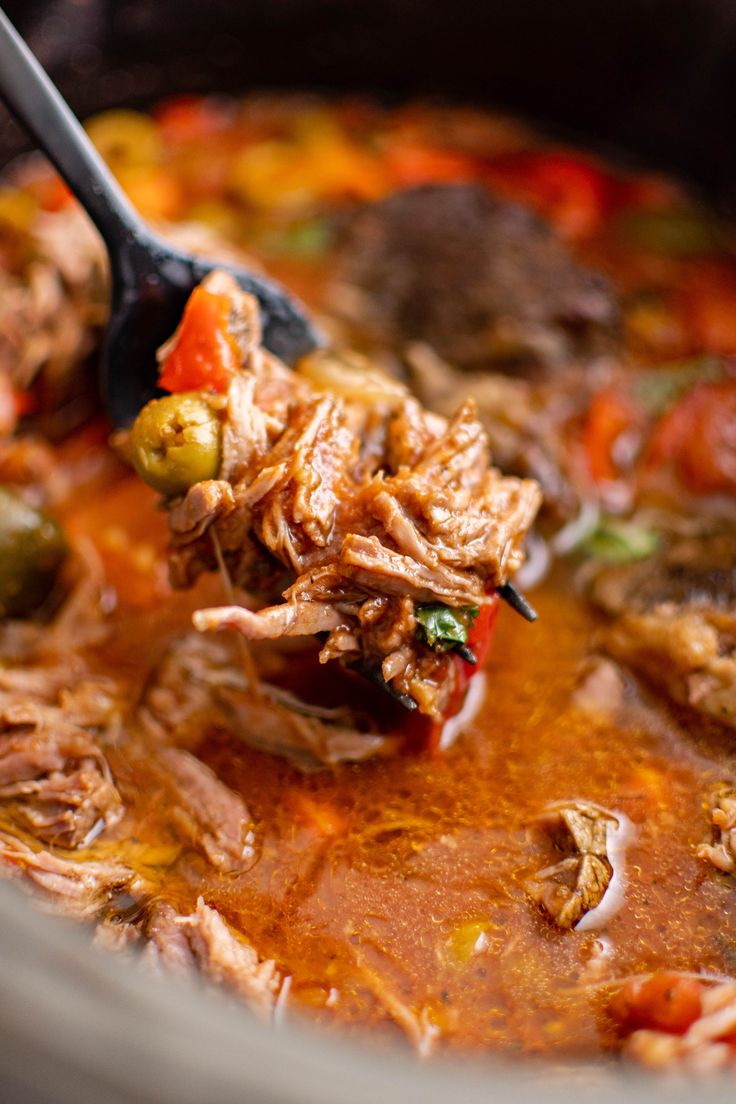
{"type": "Point", "coordinates": [656, 78]}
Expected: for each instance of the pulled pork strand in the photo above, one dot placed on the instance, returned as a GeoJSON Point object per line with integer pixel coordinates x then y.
{"type": "Point", "coordinates": [353, 535]}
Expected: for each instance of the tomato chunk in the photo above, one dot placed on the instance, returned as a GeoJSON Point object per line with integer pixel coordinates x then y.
{"type": "Point", "coordinates": [569, 190]}
{"type": "Point", "coordinates": [412, 165]}
{"type": "Point", "coordinates": [611, 413]}
{"type": "Point", "coordinates": [479, 641]}
{"type": "Point", "coordinates": [665, 1001]}
{"type": "Point", "coordinates": [698, 437]}
{"type": "Point", "coordinates": [186, 118]}
{"type": "Point", "coordinates": [204, 354]}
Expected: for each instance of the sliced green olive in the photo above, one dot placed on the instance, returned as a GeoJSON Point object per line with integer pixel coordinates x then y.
{"type": "Point", "coordinates": [175, 442]}
{"type": "Point", "coordinates": [32, 549]}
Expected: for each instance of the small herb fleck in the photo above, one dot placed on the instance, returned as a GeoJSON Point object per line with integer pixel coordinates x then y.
{"type": "Point", "coordinates": [616, 541]}
{"type": "Point", "coordinates": [444, 628]}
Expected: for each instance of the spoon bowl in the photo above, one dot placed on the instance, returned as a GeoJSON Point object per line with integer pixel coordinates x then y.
{"type": "Point", "coordinates": [148, 299]}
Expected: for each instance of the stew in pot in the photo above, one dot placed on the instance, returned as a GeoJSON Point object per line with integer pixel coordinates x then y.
{"type": "Point", "coordinates": [252, 718]}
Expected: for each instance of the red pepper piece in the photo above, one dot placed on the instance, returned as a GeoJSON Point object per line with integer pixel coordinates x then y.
{"type": "Point", "coordinates": [698, 437]}
{"type": "Point", "coordinates": [204, 354]}
{"type": "Point", "coordinates": [666, 1001]}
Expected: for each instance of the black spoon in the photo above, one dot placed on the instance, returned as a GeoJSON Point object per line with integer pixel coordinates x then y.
{"type": "Point", "coordinates": [151, 281]}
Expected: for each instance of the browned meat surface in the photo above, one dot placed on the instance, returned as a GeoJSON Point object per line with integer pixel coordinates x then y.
{"type": "Point", "coordinates": [203, 939]}
{"type": "Point", "coordinates": [570, 888]}
{"type": "Point", "coordinates": [425, 519]}
{"type": "Point", "coordinates": [50, 311]}
{"type": "Point", "coordinates": [483, 281]}
{"type": "Point", "coordinates": [722, 851]}
{"type": "Point", "coordinates": [674, 620]}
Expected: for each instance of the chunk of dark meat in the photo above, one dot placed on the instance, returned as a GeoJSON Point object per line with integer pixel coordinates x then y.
{"type": "Point", "coordinates": [423, 517]}
{"type": "Point", "coordinates": [203, 939]}
{"type": "Point", "coordinates": [481, 280]}
{"type": "Point", "coordinates": [570, 888]}
{"type": "Point", "coordinates": [674, 620]}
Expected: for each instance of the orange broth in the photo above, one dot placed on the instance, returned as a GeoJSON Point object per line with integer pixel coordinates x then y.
{"type": "Point", "coordinates": [392, 892]}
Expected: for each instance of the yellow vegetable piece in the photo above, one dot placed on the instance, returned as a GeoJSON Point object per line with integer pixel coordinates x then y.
{"type": "Point", "coordinates": [152, 190]}
{"type": "Point", "coordinates": [16, 209]}
{"type": "Point", "coordinates": [467, 940]}
{"type": "Point", "coordinates": [125, 138]}
{"type": "Point", "coordinates": [352, 376]}
{"type": "Point", "coordinates": [324, 164]}
{"type": "Point", "coordinates": [269, 175]}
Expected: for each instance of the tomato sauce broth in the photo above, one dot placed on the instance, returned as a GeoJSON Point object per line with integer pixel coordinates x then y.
{"type": "Point", "coordinates": [408, 893]}
{"type": "Point", "coordinates": [392, 892]}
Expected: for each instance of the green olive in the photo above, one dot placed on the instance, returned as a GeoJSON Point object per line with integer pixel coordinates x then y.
{"type": "Point", "coordinates": [32, 548]}
{"type": "Point", "coordinates": [176, 442]}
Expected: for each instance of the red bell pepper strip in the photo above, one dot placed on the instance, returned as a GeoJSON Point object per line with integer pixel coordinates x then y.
{"type": "Point", "coordinates": [664, 1001]}
{"type": "Point", "coordinates": [203, 353]}
{"type": "Point", "coordinates": [569, 190]}
{"type": "Point", "coordinates": [610, 414]}
{"type": "Point", "coordinates": [479, 643]}
{"type": "Point", "coordinates": [183, 119]}
{"type": "Point", "coordinates": [410, 166]}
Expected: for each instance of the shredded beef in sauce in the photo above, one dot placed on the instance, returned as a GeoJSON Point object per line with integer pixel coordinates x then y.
{"type": "Point", "coordinates": [674, 620]}
{"type": "Point", "coordinates": [363, 537]}
{"type": "Point", "coordinates": [341, 506]}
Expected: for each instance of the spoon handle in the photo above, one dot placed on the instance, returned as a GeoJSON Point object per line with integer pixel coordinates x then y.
{"type": "Point", "coordinates": [43, 112]}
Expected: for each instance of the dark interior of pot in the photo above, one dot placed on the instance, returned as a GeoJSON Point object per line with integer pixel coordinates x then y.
{"type": "Point", "coordinates": [651, 82]}
{"type": "Point", "coordinates": [654, 80]}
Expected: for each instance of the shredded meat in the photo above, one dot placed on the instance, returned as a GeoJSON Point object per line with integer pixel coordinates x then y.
{"type": "Point", "coordinates": [441, 525]}
{"type": "Point", "coordinates": [199, 684]}
{"type": "Point", "coordinates": [576, 884]}
{"type": "Point", "coordinates": [601, 690]}
{"type": "Point", "coordinates": [54, 778]}
{"type": "Point", "coordinates": [203, 939]}
{"type": "Point", "coordinates": [722, 851]}
{"type": "Point", "coordinates": [525, 419]}
{"type": "Point", "coordinates": [674, 620]}
{"type": "Point", "coordinates": [483, 281]}
{"type": "Point", "coordinates": [81, 889]}
{"type": "Point", "coordinates": [206, 810]}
